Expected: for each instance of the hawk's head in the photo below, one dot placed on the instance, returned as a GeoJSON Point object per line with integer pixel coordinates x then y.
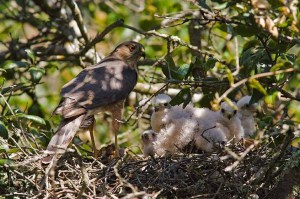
{"type": "Point", "coordinates": [245, 107]}
{"type": "Point", "coordinates": [228, 111]}
{"type": "Point", "coordinates": [161, 102]}
{"type": "Point", "coordinates": [129, 51]}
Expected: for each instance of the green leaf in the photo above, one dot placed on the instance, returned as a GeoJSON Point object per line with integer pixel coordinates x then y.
{"type": "Point", "coordinates": [183, 70]}
{"type": "Point", "coordinates": [205, 100]}
{"type": "Point", "coordinates": [171, 71]}
{"type": "Point", "coordinates": [250, 44]}
{"type": "Point", "coordinates": [254, 83]}
{"type": "Point", "coordinates": [3, 131]}
{"type": "Point", "coordinates": [245, 31]}
{"type": "Point", "coordinates": [210, 63]}
{"type": "Point", "coordinates": [31, 55]}
{"type": "Point", "coordinates": [36, 74]}
{"type": "Point", "coordinates": [184, 96]}
{"type": "Point", "coordinates": [9, 64]}
{"type": "Point", "coordinates": [6, 161]}
{"type": "Point", "coordinates": [256, 96]}
{"type": "Point", "coordinates": [33, 118]}
{"type": "Point", "coordinates": [203, 4]}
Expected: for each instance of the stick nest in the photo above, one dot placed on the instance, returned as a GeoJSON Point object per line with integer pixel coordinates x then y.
{"type": "Point", "coordinates": [234, 172]}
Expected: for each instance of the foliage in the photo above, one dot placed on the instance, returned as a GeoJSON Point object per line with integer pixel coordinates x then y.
{"type": "Point", "coordinates": [218, 49]}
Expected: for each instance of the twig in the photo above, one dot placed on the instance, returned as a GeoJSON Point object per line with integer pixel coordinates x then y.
{"type": "Point", "coordinates": [237, 61]}
{"type": "Point", "coordinates": [100, 36]}
{"type": "Point", "coordinates": [234, 86]}
{"type": "Point", "coordinates": [141, 105]}
{"type": "Point", "coordinates": [78, 18]}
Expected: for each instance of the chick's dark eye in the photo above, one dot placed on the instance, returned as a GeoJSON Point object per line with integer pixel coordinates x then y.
{"type": "Point", "coordinates": [234, 112]}
{"type": "Point", "coordinates": [165, 104]}
{"type": "Point", "coordinates": [222, 110]}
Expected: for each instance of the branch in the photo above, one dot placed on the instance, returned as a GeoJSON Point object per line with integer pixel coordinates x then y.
{"type": "Point", "coordinates": [234, 86]}
{"type": "Point", "coordinates": [100, 36]}
{"type": "Point", "coordinates": [287, 94]}
{"type": "Point", "coordinates": [78, 18]}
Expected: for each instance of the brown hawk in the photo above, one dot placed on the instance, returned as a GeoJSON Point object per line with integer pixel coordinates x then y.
{"type": "Point", "coordinates": [98, 88]}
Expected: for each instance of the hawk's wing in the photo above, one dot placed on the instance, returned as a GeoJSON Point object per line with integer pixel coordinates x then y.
{"type": "Point", "coordinates": [102, 84]}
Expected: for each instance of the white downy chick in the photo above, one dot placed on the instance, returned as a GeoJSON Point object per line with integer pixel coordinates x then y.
{"type": "Point", "coordinates": [246, 113]}
{"type": "Point", "coordinates": [148, 138]}
{"type": "Point", "coordinates": [208, 133]}
{"type": "Point", "coordinates": [177, 133]}
{"type": "Point", "coordinates": [227, 117]}
{"type": "Point", "coordinates": [161, 108]}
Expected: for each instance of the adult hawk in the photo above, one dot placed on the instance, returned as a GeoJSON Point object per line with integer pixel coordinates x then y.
{"type": "Point", "coordinates": [98, 88]}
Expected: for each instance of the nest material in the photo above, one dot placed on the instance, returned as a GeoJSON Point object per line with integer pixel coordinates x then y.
{"type": "Point", "coordinates": [207, 175]}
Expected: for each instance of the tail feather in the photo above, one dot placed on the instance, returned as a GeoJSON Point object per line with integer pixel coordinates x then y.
{"type": "Point", "coordinates": [62, 138]}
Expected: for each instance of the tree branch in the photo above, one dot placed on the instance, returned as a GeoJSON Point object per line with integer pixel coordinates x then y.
{"type": "Point", "coordinates": [234, 86]}
{"type": "Point", "coordinates": [78, 18]}
{"type": "Point", "coordinates": [100, 36]}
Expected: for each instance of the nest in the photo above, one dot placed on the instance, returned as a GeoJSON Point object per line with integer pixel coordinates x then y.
{"type": "Point", "coordinates": [235, 172]}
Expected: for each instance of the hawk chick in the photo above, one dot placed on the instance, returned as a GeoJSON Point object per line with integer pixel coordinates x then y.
{"type": "Point", "coordinates": [148, 137]}
{"type": "Point", "coordinates": [172, 124]}
{"type": "Point", "coordinates": [246, 113]}
{"type": "Point", "coordinates": [230, 122]}
{"type": "Point", "coordinates": [161, 108]}
{"type": "Point", "coordinates": [209, 132]}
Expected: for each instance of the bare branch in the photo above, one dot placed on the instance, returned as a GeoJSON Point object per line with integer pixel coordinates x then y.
{"type": "Point", "coordinates": [234, 86]}
{"type": "Point", "coordinates": [78, 18]}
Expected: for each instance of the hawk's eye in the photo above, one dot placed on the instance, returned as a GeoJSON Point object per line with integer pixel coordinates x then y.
{"type": "Point", "coordinates": [132, 47]}
{"type": "Point", "coordinates": [222, 110]}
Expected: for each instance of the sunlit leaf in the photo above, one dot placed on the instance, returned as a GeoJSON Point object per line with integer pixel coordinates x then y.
{"type": "Point", "coordinates": [36, 74]}
{"type": "Point", "coordinates": [6, 161]}
{"type": "Point", "coordinates": [9, 64]}
{"type": "Point", "coordinates": [183, 70]}
{"type": "Point", "coordinates": [33, 118]}
{"type": "Point", "coordinates": [31, 55]}
{"type": "Point", "coordinates": [296, 142]}
{"type": "Point", "coordinates": [172, 72]}
{"type": "Point", "coordinates": [254, 83]}
{"type": "Point", "coordinates": [3, 130]}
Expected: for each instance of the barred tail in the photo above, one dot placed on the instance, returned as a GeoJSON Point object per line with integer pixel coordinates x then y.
{"type": "Point", "coordinates": [62, 138]}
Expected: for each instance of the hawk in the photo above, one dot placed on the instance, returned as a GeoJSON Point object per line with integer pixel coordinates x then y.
{"type": "Point", "coordinates": [98, 88]}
